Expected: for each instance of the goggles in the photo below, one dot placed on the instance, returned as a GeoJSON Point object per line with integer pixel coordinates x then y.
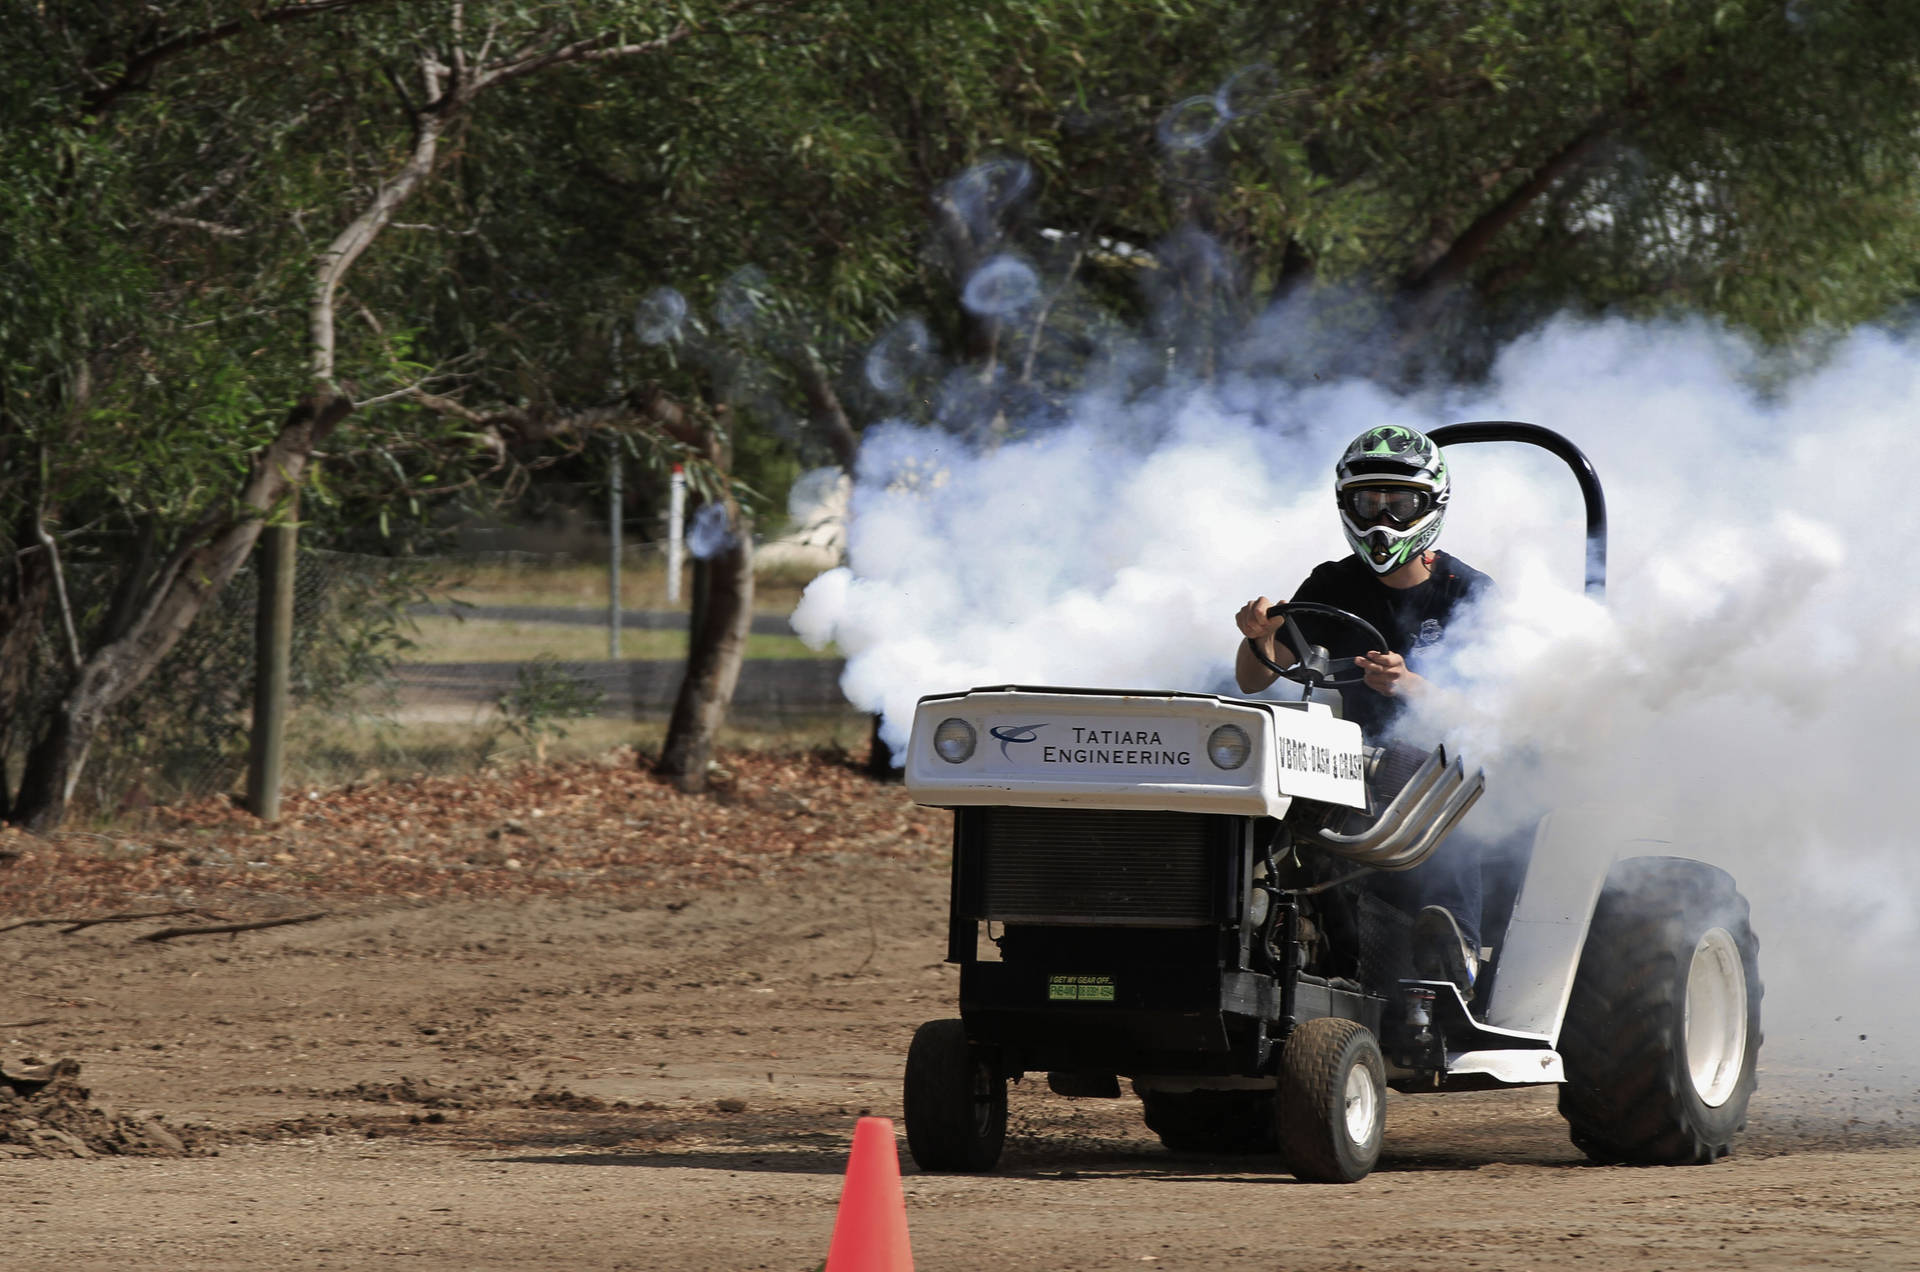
{"type": "Point", "coordinates": [1401, 505]}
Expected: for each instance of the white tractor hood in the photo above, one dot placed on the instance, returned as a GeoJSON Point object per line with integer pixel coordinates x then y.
{"type": "Point", "coordinates": [1056, 747]}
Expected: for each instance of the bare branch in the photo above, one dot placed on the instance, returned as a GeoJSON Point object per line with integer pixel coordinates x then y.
{"type": "Point", "coordinates": [407, 105]}
{"type": "Point", "coordinates": [167, 934]}
{"type": "Point", "coordinates": [469, 232]}
{"type": "Point", "coordinates": [1046, 307]}
{"type": "Point", "coordinates": [459, 52]}
{"type": "Point", "coordinates": [486, 45]}
{"type": "Point", "coordinates": [408, 391]}
{"type": "Point", "coordinates": [140, 65]}
{"type": "Point", "coordinates": [448, 406]}
{"type": "Point", "coordinates": [59, 575]}
{"type": "Point", "coordinates": [71, 924]}
{"type": "Point", "coordinates": [60, 592]}
{"type": "Point", "coordinates": [195, 223]}
{"type": "Point", "coordinates": [1473, 242]}
{"type": "Point", "coordinates": [531, 426]}
{"type": "Point", "coordinates": [347, 246]}
{"type": "Point", "coordinates": [829, 414]}
{"type": "Point", "coordinates": [597, 49]}
{"type": "Point", "coordinates": [221, 181]}
{"type": "Point", "coordinates": [649, 408]}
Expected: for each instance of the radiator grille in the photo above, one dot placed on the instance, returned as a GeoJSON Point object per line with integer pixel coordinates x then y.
{"type": "Point", "coordinates": [1097, 866]}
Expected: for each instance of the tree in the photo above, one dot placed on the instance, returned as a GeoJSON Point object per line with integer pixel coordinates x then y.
{"type": "Point", "coordinates": [453, 61]}
{"type": "Point", "coordinates": [1460, 172]}
{"type": "Point", "coordinates": [786, 194]}
{"type": "Point", "coordinates": [382, 250]}
{"type": "Point", "coordinates": [1496, 160]}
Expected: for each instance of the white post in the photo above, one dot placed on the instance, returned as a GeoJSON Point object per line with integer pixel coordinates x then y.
{"type": "Point", "coordinates": [676, 544]}
{"type": "Point", "coordinates": [613, 554]}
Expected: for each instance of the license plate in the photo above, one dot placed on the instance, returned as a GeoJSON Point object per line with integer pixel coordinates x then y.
{"type": "Point", "coordinates": [1080, 989]}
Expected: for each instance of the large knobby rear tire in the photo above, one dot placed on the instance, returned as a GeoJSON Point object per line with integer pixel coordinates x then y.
{"type": "Point", "coordinates": [956, 1102]}
{"type": "Point", "coordinates": [1331, 1105]}
{"type": "Point", "coordinates": [1662, 1031]}
{"type": "Point", "coordinates": [1213, 1122]}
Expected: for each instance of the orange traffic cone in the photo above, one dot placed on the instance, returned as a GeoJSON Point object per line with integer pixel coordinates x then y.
{"type": "Point", "coordinates": [870, 1232]}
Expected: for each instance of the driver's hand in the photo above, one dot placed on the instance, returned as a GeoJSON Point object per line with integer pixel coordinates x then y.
{"type": "Point", "coordinates": [1387, 673]}
{"type": "Point", "coordinates": [1254, 624]}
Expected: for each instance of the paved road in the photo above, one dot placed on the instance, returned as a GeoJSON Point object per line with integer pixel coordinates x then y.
{"type": "Point", "coordinates": [636, 620]}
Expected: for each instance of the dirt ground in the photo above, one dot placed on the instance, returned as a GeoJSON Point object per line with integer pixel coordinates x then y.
{"type": "Point", "coordinates": [635, 1047]}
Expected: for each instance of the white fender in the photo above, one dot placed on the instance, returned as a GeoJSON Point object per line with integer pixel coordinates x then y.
{"type": "Point", "coordinates": [1573, 849]}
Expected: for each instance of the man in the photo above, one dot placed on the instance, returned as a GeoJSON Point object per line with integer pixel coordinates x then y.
{"type": "Point", "coordinates": [1392, 487]}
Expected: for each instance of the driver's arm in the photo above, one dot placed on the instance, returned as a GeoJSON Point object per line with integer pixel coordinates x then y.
{"type": "Point", "coordinates": [1254, 624]}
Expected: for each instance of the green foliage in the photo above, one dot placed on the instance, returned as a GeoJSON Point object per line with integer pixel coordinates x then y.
{"type": "Point", "coordinates": [544, 695]}
{"type": "Point", "coordinates": [1754, 161]}
{"type": "Point", "coordinates": [1462, 168]}
{"type": "Point", "coordinates": [183, 732]}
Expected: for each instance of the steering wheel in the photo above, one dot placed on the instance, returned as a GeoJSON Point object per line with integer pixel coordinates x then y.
{"type": "Point", "coordinates": [1315, 670]}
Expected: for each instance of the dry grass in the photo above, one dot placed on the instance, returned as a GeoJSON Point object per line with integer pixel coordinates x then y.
{"type": "Point", "coordinates": [325, 752]}
{"type": "Point", "coordinates": [582, 584]}
{"type": "Point", "coordinates": [490, 640]}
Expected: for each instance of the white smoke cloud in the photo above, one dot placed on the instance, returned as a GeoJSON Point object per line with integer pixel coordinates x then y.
{"type": "Point", "coordinates": [1751, 685]}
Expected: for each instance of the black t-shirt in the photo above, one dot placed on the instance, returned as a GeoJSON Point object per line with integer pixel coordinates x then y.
{"type": "Point", "coordinates": [1411, 618]}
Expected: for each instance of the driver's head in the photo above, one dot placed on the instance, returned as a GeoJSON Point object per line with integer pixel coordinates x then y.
{"type": "Point", "coordinates": [1392, 487]}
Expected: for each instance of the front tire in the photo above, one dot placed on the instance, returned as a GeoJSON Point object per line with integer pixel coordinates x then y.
{"type": "Point", "coordinates": [1332, 1102]}
{"type": "Point", "coordinates": [956, 1101]}
{"type": "Point", "coordinates": [1662, 1031]}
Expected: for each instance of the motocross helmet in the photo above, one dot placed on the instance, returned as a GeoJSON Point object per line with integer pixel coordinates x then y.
{"type": "Point", "coordinates": [1392, 486]}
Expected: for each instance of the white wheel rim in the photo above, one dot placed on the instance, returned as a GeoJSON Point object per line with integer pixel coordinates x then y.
{"type": "Point", "coordinates": [1362, 1104]}
{"type": "Point", "coordinates": [1716, 1020]}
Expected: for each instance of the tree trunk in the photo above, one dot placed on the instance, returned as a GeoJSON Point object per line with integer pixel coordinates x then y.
{"type": "Point", "coordinates": [715, 649]}
{"type": "Point", "coordinates": [25, 592]}
{"type": "Point", "coordinates": [53, 767]}
{"type": "Point", "coordinates": [192, 577]}
{"type": "Point", "coordinates": [829, 415]}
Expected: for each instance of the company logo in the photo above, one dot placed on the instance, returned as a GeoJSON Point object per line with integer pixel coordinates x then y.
{"type": "Point", "coordinates": [1015, 733]}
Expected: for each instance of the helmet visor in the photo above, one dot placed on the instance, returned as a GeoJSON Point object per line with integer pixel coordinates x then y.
{"type": "Point", "coordinates": [1401, 505]}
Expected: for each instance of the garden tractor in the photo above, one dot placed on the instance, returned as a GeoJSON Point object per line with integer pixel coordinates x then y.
{"type": "Point", "coordinates": [1171, 889]}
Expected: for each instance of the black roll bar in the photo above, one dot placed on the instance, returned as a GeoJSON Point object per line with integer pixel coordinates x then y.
{"type": "Point", "coordinates": [1547, 439]}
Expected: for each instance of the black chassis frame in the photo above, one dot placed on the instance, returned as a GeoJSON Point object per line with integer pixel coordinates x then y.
{"type": "Point", "coordinates": [1190, 1001]}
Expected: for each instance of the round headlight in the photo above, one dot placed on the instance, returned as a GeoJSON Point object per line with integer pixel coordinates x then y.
{"type": "Point", "coordinates": [953, 740]}
{"type": "Point", "coordinates": [1228, 747]}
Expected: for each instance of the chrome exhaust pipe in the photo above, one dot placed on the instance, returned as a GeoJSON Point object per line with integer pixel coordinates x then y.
{"type": "Point", "coordinates": [1409, 828]}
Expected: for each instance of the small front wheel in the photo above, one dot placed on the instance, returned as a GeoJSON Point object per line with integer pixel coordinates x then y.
{"type": "Point", "coordinates": [956, 1101]}
{"type": "Point", "coordinates": [1332, 1102]}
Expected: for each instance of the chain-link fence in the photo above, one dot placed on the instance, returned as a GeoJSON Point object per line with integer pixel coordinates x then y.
{"type": "Point", "coordinates": [432, 663]}
{"type": "Point", "coordinates": [184, 731]}
{"type": "Point", "coordinates": [515, 610]}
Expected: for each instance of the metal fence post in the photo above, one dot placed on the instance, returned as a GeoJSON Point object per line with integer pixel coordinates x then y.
{"type": "Point", "coordinates": [273, 662]}
{"type": "Point", "coordinates": [676, 529]}
{"type": "Point", "coordinates": [613, 556]}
